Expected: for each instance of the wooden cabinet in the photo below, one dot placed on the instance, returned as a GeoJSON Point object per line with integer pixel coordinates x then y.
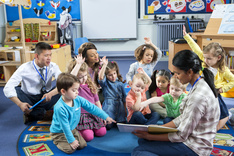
{"type": "Point", "coordinates": [173, 49]}
{"type": "Point", "coordinates": [36, 30]}
{"type": "Point", "coordinates": [6, 70]}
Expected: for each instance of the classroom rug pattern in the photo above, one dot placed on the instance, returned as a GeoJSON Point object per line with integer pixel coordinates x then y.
{"type": "Point", "coordinates": [35, 140]}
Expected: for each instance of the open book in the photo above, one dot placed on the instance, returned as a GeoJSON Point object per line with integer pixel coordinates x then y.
{"type": "Point", "coordinates": [148, 128]}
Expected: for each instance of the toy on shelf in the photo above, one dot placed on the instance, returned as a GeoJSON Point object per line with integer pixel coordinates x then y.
{"type": "Point", "coordinates": [46, 36]}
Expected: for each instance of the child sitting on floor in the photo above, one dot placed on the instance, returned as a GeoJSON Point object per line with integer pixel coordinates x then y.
{"type": "Point", "coordinates": [89, 124]}
{"type": "Point", "coordinates": [67, 115]}
{"type": "Point", "coordinates": [113, 88]}
{"type": "Point", "coordinates": [136, 95]}
{"type": "Point", "coordinates": [171, 100]}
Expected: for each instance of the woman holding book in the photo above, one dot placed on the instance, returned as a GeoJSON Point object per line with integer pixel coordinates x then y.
{"type": "Point", "coordinates": [199, 114]}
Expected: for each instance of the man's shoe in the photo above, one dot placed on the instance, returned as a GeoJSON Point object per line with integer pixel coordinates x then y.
{"type": "Point", "coordinates": [48, 115]}
{"type": "Point", "coordinates": [27, 119]}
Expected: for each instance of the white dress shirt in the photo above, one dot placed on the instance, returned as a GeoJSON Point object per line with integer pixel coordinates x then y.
{"type": "Point", "coordinates": [30, 79]}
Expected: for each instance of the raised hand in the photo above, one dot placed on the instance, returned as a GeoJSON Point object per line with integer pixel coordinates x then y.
{"type": "Point", "coordinates": [79, 59]}
{"type": "Point", "coordinates": [104, 60]}
{"type": "Point", "coordinates": [184, 31]}
{"type": "Point", "coordinates": [147, 40]}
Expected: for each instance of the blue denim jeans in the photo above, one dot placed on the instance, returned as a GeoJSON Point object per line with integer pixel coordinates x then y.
{"type": "Point", "coordinates": [223, 108]}
{"type": "Point", "coordinates": [162, 148]}
{"type": "Point", "coordinates": [37, 112]}
{"type": "Point", "coordinates": [148, 119]}
{"type": "Point", "coordinates": [167, 119]}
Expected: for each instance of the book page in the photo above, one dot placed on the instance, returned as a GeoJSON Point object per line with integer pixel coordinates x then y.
{"type": "Point", "coordinates": [131, 127]}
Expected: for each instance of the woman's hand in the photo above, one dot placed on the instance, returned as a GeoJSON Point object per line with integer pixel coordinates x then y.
{"type": "Point", "coordinates": [142, 134]}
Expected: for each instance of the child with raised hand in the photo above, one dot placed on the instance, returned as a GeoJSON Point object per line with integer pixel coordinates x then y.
{"type": "Point", "coordinates": [136, 95]}
{"type": "Point", "coordinates": [67, 114]}
{"type": "Point", "coordinates": [160, 85]}
{"type": "Point", "coordinates": [147, 56]}
{"type": "Point", "coordinates": [213, 56]}
{"type": "Point", "coordinates": [89, 51]}
{"type": "Point", "coordinates": [113, 88]}
{"type": "Point", "coordinates": [171, 100]}
{"type": "Point", "coordinates": [89, 124]}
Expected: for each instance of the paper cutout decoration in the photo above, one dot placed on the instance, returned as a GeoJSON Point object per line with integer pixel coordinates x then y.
{"type": "Point", "coordinates": [37, 137]}
{"type": "Point", "coordinates": [41, 3]}
{"type": "Point", "coordinates": [50, 15]}
{"type": "Point", "coordinates": [221, 152]}
{"type": "Point", "coordinates": [214, 2]}
{"type": "Point", "coordinates": [55, 5]}
{"type": "Point", "coordinates": [38, 149]}
{"type": "Point", "coordinates": [156, 5]}
{"type": "Point", "coordinates": [8, 2]}
{"type": "Point", "coordinates": [28, 6]}
{"type": "Point", "coordinates": [177, 6]}
{"type": "Point", "coordinates": [150, 9]}
{"type": "Point", "coordinates": [197, 5]}
{"type": "Point", "coordinates": [38, 12]}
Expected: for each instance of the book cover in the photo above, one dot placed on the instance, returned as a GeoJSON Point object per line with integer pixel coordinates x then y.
{"type": "Point", "coordinates": [37, 137]}
{"type": "Point", "coordinates": [37, 149]}
{"type": "Point", "coordinates": [149, 128]}
{"type": "Point", "coordinates": [39, 128]}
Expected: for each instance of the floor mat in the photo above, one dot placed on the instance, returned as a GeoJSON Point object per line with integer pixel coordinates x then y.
{"type": "Point", "coordinates": [35, 139]}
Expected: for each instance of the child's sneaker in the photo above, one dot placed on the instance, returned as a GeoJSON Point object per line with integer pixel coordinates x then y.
{"type": "Point", "coordinates": [231, 117]}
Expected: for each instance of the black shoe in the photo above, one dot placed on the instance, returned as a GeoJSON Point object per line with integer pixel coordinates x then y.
{"type": "Point", "coordinates": [48, 115]}
{"type": "Point", "coordinates": [27, 119]}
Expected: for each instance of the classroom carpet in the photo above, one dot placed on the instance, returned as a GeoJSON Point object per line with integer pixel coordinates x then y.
{"type": "Point", "coordinates": [35, 140]}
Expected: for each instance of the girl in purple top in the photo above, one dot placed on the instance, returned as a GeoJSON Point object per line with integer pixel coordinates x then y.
{"type": "Point", "coordinates": [160, 85]}
{"type": "Point", "coordinates": [89, 124]}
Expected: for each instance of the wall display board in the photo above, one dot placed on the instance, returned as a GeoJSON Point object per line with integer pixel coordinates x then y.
{"type": "Point", "coordinates": [181, 6]}
{"type": "Point", "coordinates": [109, 19]}
{"type": "Point", "coordinates": [46, 9]}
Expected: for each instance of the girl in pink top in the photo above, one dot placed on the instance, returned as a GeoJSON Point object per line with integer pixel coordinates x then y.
{"type": "Point", "coordinates": [160, 85]}
{"type": "Point", "coordinates": [89, 124]}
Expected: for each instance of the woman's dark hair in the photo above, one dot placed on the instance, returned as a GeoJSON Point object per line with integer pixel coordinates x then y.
{"type": "Point", "coordinates": [156, 73]}
{"type": "Point", "coordinates": [83, 50]}
{"type": "Point", "coordinates": [186, 60]}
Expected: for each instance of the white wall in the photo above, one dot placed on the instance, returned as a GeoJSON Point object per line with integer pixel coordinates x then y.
{"type": "Point", "coordinates": [145, 28]}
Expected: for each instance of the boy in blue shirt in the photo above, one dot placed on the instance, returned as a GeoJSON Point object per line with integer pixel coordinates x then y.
{"type": "Point", "coordinates": [67, 115]}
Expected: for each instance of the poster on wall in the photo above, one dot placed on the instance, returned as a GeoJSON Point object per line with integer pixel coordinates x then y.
{"type": "Point", "coordinates": [181, 6]}
{"type": "Point", "coordinates": [46, 9]}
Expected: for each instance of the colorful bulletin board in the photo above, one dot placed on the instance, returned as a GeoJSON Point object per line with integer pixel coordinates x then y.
{"type": "Point", "coordinates": [46, 9]}
{"type": "Point", "coordinates": [181, 6]}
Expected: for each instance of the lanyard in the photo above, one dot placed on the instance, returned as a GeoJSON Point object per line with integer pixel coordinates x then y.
{"type": "Point", "coordinates": [196, 80]}
{"type": "Point", "coordinates": [39, 72]}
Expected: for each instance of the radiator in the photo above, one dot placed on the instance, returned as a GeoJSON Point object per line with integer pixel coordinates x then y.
{"type": "Point", "coordinates": [168, 31]}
